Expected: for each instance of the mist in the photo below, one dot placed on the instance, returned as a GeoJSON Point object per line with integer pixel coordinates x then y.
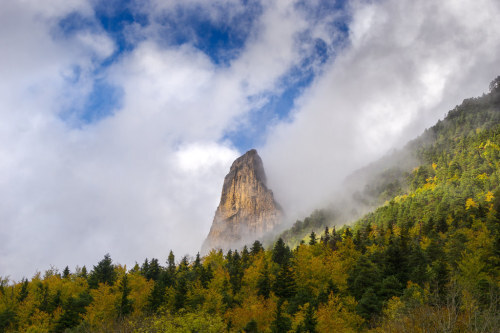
{"type": "Point", "coordinates": [142, 175]}
{"type": "Point", "coordinates": [406, 65]}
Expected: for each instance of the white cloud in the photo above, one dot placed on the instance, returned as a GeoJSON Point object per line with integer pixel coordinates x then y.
{"type": "Point", "coordinates": [141, 181]}
{"type": "Point", "coordinates": [408, 63]}
{"type": "Point", "coordinates": [147, 178]}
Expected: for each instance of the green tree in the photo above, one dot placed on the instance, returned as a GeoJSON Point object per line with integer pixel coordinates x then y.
{"type": "Point", "coordinates": [281, 253]}
{"type": "Point", "coordinates": [73, 309]}
{"type": "Point", "coordinates": [125, 305]}
{"type": "Point", "coordinates": [235, 271]}
{"type": "Point", "coordinates": [66, 272]}
{"type": "Point", "coordinates": [251, 327]}
{"type": "Point", "coordinates": [104, 272]}
{"type": "Point", "coordinates": [256, 248]}
{"type": "Point", "coordinates": [264, 283]}
{"type": "Point", "coordinates": [363, 276]}
{"type": "Point", "coordinates": [284, 285]}
{"type": "Point", "coordinates": [325, 239]}
{"type": "Point", "coordinates": [312, 238]}
{"type": "Point", "coordinates": [369, 304]}
{"type": "Point", "coordinates": [280, 323]}
{"type": "Point", "coordinates": [157, 296]}
{"type": "Point", "coordinates": [309, 323]}
{"type": "Point", "coordinates": [23, 293]}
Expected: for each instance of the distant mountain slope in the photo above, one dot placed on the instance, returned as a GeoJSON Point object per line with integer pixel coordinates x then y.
{"type": "Point", "coordinates": [407, 169]}
{"type": "Point", "coordinates": [459, 169]}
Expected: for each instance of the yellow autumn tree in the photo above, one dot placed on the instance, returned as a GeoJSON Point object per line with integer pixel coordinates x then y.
{"type": "Point", "coordinates": [338, 315]}
{"type": "Point", "coordinates": [101, 313]}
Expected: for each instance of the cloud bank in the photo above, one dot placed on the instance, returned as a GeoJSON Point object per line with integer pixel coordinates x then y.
{"type": "Point", "coordinates": [143, 174]}
{"type": "Point", "coordinates": [406, 65]}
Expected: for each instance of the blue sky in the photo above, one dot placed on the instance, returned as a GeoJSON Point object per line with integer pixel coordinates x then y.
{"type": "Point", "coordinates": [221, 38]}
{"type": "Point", "coordinates": [120, 119]}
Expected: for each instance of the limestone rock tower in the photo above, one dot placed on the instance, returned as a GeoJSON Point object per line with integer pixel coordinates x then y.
{"type": "Point", "coordinates": [247, 210]}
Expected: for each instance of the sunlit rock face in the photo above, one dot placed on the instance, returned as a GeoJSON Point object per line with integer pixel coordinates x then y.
{"type": "Point", "coordinates": [247, 210]}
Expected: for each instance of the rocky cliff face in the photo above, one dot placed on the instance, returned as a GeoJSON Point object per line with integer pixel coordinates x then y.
{"type": "Point", "coordinates": [247, 209]}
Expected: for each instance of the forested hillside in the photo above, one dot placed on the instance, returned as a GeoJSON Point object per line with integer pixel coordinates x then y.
{"type": "Point", "coordinates": [425, 261]}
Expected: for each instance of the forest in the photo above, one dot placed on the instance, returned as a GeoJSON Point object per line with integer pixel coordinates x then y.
{"type": "Point", "coordinates": [426, 260]}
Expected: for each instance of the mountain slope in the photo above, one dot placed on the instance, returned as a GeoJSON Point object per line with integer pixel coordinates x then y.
{"type": "Point", "coordinates": [395, 175]}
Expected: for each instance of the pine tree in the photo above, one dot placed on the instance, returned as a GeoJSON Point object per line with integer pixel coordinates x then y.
{"type": "Point", "coordinates": [66, 272]}
{"type": "Point", "coordinates": [326, 237]}
{"type": "Point", "coordinates": [83, 273]}
{"type": "Point", "coordinates": [334, 240]}
{"type": "Point", "coordinates": [364, 275]}
{"type": "Point", "coordinates": [157, 296]}
{"type": "Point", "coordinates": [206, 275]}
{"type": "Point", "coordinates": [280, 323]}
{"type": "Point", "coordinates": [281, 253]}
{"type": "Point", "coordinates": [23, 293]}
{"type": "Point", "coordinates": [73, 309]}
{"type": "Point", "coordinates": [235, 271]}
{"type": "Point", "coordinates": [264, 283]}
{"type": "Point", "coordinates": [312, 238]}
{"type": "Point", "coordinates": [180, 293]}
{"type": "Point", "coordinates": [125, 305]}
{"type": "Point", "coordinates": [197, 261]}
{"type": "Point", "coordinates": [256, 248]}
{"type": "Point", "coordinates": [171, 262]}
{"type": "Point", "coordinates": [104, 272]}
{"type": "Point", "coordinates": [310, 322]}
{"type": "Point", "coordinates": [284, 286]}
{"type": "Point", "coordinates": [251, 327]}
{"type": "Point", "coordinates": [154, 270]}
{"type": "Point", "coordinates": [145, 268]}
{"type": "Point", "coordinates": [245, 258]}
{"type": "Point", "coordinates": [169, 275]}
{"type": "Point", "coordinates": [347, 233]}
{"type": "Point", "coordinates": [369, 304]}
{"type": "Point", "coordinates": [183, 265]}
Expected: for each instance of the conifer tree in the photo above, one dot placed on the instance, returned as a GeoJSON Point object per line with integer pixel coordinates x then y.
{"type": "Point", "coordinates": [66, 272]}
{"type": "Point", "coordinates": [168, 278]}
{"type": "Point", "coordinates": [281, 253]}
{"type": "Point", "coordinates": [251, 327]}
{"type": "Point", "coordinates": [83, 272]}
{"type": "Point", "coordinates": [264, 283]}
{"type": "Point", "coordinates": [347, 233]}
{"type": "Point", "coordinates": [157, 296]}
{"type": "Point", "coordinates": [154, 270]}
{"type": "Point", "coordinates": [235, 272]}
{"type": "Point", "coordinates": [171, 262]}
{"type": "Point", "coordinates": [125, 304]}
{"type": "Point", "coordinates": [23, 293]}
{"type": "Point", "coordinates": [245, 258]}
{"type": "Point", "coordinates": [369, 304]}
{"type": "Point", "coordinates": [312, 238]}
{"type": "Point", "coordinates": [183, 265]}
{"type": "Point", "coordinates": [309, 323]}
{"type": "Point", "coordinates": [145, 268]}
{"type": "Point", "coordinates": [284, 285]}
{"type": "Point", "coordinates": [280, 323]}
{"type": "Point", "coordinates": [197, 261]}
{"type": "Point", "coordinates": [326, 236]}
{"type": "Point", "coordinates": [180, 293]}
{"type": "Point", "coordinates": [104, 272]}
{"type": "Point", "coordinates": [256, 248]}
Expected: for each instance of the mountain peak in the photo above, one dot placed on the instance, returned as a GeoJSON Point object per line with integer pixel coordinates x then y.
{"type": "Point", "coordinates": [247, 210]}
